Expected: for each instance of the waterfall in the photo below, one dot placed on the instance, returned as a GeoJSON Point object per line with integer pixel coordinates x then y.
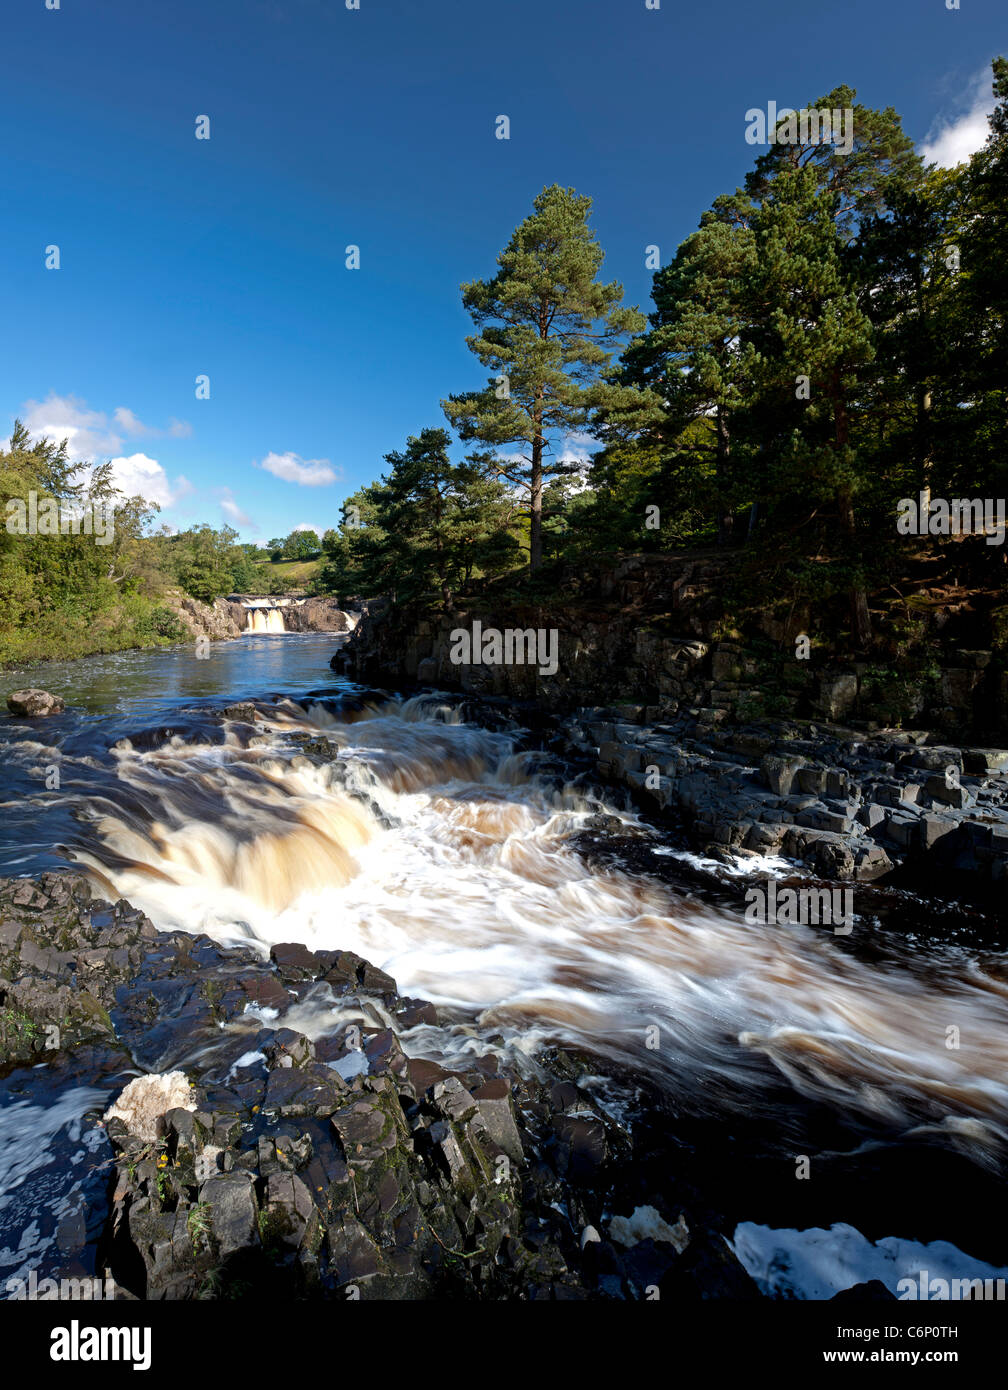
{"type": "Point", "coordinates": [265, 620]}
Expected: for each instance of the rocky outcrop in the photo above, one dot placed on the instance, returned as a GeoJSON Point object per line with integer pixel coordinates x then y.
{"type": "Point", "coordinates": [656, 629]}
{"type": "Point", "coordinates": [216, 621]}
{"type": "Point", "coordinates": [317, 615]}
{"type": "Point", "coordinates": [34, 704]}
{"type": "Point", "coordinates": [846, 805]}
{"type": "Point", "coordinates": [61, 962]}
{"type": "Point", "coordinates": [283, 1165]}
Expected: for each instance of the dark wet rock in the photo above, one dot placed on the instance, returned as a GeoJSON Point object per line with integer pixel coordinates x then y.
{"type": "Point", "coordinates": [384, 1054]}
{"type": "Point", "coordinates": [496, 1113]}
{"type": "Point", "coordinates": [411, 1012]}
{"type": "Point", "coordinates": [63, 955]}
{"type": "Point", "coordinates": [34, 703]}
{"type": "Point", "coordinates": [343, 970]}
{"type": "Point", "coordinates": [246, 713]}
{"type": "Point", "coordinates": [288, 1048]}
{"type": "Point", "coordinates": [289, 1208]}
{"type": "Point", "coordinates": [451, 1100]}
{"type": "Point", "coordinates": [311, 1089]}
{"type": "Point", "coordinates": [423, 1073]}
{"type": "Point", "coordinates": [849, 805]}
{"type": "Point", "coordinates": [233, 1222]}
{"type": "Point", "coordinates": [708, 1268]}
{"type": "Point", "coordinates": [355, 1256]}
{"type": "Point", "coordinates": [582, 1146]}
{"type": "Point", "coordinates": [406, 1178]}
{"type": "Point", "coordinates": [294, 962]}
{"type": "Point", "coordinates": [265, 991]}
{"type": "Point", "coordinates": [873, 1291]}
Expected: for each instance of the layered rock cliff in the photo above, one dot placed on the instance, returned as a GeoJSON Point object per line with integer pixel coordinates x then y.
{"type": "Point", "coordinates": [657, 631]}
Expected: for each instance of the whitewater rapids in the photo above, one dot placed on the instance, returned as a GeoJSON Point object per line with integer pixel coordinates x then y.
{"type": "Point", "coordinates": [433, 849]}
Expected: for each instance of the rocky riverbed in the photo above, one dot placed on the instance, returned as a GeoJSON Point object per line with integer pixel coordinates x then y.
{"type": "Point", "coordinates": [253, 1158]}
{"type": "Point", "coordinates": [848, 805]}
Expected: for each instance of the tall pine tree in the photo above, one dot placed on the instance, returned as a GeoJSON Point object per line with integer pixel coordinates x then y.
{"type": "Point", "coordinates": [546, 330]}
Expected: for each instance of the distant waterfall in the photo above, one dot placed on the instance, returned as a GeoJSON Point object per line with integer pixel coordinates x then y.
{"type": "Point", "coordinates": [265, 620]}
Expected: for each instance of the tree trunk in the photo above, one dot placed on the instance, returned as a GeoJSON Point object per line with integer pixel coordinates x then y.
{"type": "Point", "coordinates": [924, 437]}
{"type": "Point", "coordinates": [535, 504]}
{"type": "Point", "coordinates": [725, 517]}
{"type": "Point", "coordinates": [860, 616]}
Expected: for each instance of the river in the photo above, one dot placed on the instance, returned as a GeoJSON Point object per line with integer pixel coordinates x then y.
{"type": "Point", "coordinates": [449, 858]}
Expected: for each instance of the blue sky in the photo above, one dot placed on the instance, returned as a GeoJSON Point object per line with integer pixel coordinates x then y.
{"type": "Point", "coordinates": [328, 126]}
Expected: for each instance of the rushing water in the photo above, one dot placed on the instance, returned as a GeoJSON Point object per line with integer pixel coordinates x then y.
{"type": "Point", "coordinates": [434, 849]}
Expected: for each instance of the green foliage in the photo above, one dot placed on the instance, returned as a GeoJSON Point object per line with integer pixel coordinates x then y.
{"type": "Point", "coordinates": [299, 545]}
{"type": "Point", "coordinates": [820, 353]}
{"type": "Point", "coordinates": [67, 594]}
{"type": "Point", "coordinates": [546, 330]}
{"type": "Point", "coordinates": [429, 526]}
{"type": "Point", "coordinates": [208, 563]}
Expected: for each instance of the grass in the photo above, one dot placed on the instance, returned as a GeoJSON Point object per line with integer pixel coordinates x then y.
{"type": "Point", "coordinates": [18, 1026]}
{"type": "Point", "coordinates": [297, 574]}
{"type": "Point", "coordinates": [199, 1225]}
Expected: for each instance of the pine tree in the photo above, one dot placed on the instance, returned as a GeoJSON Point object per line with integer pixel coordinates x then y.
{"type": "Point", "coordinates": [546, 327]}
{"type": "Point", "coordinates": [690, 360]}
{"type": "Point", "coordinates": [428, 524]}
{"type": "Point", "coordinates": [810, 327]}
{"type": "Point", "coordinates": [983, 287]}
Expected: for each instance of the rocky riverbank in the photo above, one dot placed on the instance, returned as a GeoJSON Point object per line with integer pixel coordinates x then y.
{"type": "Point", "coordinates": [853, 769]}
{"type": "Point", "coordinates": [680, 634]}
{"type": "Point", "coordinates": [845, 805]}
{"type": "Point", "coordinates": [227, 618]}
{"type": "Point", "coordinates": [252, 1158]}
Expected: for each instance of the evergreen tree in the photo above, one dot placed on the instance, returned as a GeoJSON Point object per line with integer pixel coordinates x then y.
{"type": "Point", "coordinates": [546, 327]}
{"type": "Point", "coordinates": [427, 525]}
{"type": "Point", "coordinates": [809, 343]}
{"type": "Point", "coordinates": [983, 291]}
{"type": "Point", "coordinates": [689, 364]}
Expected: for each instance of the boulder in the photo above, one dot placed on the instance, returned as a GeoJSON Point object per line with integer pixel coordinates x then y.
{"type": "Point", "coordinates": [34, 704]}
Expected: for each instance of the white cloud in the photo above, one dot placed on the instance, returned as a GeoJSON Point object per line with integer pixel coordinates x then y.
{"type": "Point", "coordinates": [233, 512]}
{"type": "Point", "coordinates": [128, 422]}
{"type": "Point", "coordinates": [309, 526]}
{"type": "Point", "coordinates": [88, 432]}
{"type": "Point", "coordinates": [139, 475]}
{"type": "Point", "coordinates": [951, 140]}
{"type": "Point", "coordinates": [292, 468]}
{"type": "Point", "coordinates": [91, 434]}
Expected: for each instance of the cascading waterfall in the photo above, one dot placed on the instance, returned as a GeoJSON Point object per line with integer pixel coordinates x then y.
{"type": "Point", "coordinates": [432, 848]}
{"type": "Point", "coordinates": [265, 620]}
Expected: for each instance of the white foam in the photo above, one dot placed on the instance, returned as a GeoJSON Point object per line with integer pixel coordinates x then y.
{"type": "Point", "coordinates": [816, 1263]}
{"type": "Point", "coordinates": [645, 1223]}
{"type": "Point", "coordinates": [472, 897]}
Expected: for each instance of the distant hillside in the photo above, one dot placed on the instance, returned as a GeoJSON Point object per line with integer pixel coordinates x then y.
{"type": "Point", "coordinates": [295, 574]}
